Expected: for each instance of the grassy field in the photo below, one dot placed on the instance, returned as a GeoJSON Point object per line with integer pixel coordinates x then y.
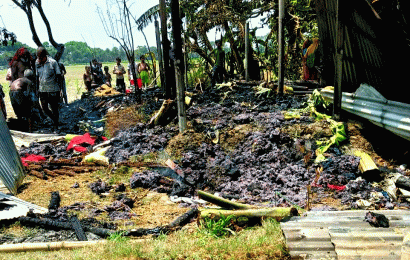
{"type": "Point", "coordinates": [264, 242]}
{"type": "Point", "coordinates": [74, 82]}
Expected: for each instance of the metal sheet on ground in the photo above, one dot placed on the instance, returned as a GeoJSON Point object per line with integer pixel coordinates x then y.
{"type": "Point", "coordinates": [312, 236]}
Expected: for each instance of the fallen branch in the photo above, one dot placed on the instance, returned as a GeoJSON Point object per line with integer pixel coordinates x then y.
{"type": "Point", "coordinates": [224, 203]}
{"type": "Point", "coordinates": [174, 225]}
{"type": "Point", "coordinates": [52, 224]}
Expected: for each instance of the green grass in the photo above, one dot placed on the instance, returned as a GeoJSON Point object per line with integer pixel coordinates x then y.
{"type": "Point", "coordinates": [264, 242]}
{"type": "Point", "coordinates": [218, 228]}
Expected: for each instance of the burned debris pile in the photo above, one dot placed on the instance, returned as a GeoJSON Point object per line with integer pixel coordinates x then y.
{"type": "Point", "coordinates": [137, 141]}
{"type": "Point", "coordinates": [239, 144]}
{"type": "Point", "coordinates": [245, 152]}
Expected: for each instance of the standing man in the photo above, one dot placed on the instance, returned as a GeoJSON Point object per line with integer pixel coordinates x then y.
{"type": "Point", "coordinates": [119, 71]}
{"type": "Point", "coordinates": [218, 70]}
{"type": "Point", "coordinates": [96, 71]}
{"type": "Point", "coordinates": [49, 79]}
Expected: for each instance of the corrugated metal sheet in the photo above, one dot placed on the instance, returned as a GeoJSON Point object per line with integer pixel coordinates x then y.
{"type": "Point", "coordinates": [391, 115]}
{"type": "Point", "coordinates": [374, 49]}
{"type": "Point", "coordinates": [25, 139]}
{"type": "Point", "coordinates": [11, 169]}
{"type": "Point", "coordinates": [345, 235]}
{"type": "Point", "coordinates": [19, 207]}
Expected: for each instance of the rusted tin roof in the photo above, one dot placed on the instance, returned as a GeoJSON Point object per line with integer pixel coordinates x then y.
{"type": "Point", "coordinates": [376, 44]}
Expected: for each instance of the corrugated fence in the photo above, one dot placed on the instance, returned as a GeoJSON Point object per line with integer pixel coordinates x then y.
{"type": "Point", "coordinates": [11, 169]}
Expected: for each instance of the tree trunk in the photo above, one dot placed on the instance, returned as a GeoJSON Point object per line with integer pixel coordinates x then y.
{"type": "Point", "coordinates": [168, 68]}
{"type": "Point", "coordinates": [29, 14]}
{"type": "Point", "coordinates": [179, 65]}
{"type": "Point", "coordinates": [160, 59]}
{"type": "Point", "coordinates": [239, 63]}
{"type": "Point", "coordinates": [59, 47]}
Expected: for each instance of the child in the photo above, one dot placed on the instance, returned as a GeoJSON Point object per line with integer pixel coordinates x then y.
{"type": "Point", "coordinates": [119, 70]}
{"type": "Point", "coordinates": [143, 70]}
{"type": "Point", "coordinates": [107, 76]}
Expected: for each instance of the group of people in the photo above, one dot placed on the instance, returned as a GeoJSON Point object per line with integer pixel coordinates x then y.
{"type": "Point", "coordinates": [34, 80]}
{"type": "Point", "coordinates": [95, 77]}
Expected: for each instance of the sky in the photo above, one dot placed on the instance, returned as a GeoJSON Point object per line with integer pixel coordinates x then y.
{"type": "Point", "coordinates": [78, 20]}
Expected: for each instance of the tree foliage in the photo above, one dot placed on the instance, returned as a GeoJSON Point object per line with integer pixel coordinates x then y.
{"type": "Point", "coordinates": [75, 52]}
{"type": "Point", "coordinates": [7, 37]}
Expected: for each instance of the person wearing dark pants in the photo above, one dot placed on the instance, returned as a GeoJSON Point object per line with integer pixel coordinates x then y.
{"type": "Point", "coordinates": [49, 82]}
{"type": "Point", "coordinates": [218, 71]}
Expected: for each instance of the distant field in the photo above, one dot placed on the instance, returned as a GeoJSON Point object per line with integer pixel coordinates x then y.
{"type": "Point", "coordinates": [74, 82]}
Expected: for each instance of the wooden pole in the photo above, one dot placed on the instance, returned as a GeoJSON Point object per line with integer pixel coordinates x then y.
{"type": "Point", "coordinates": [179, 65]}
{"type": "Point", "coordinates": [281, 43]}
{"type": "Point", "coordinates": [160, 61]}
{"type": "Point", "coordinates": [337, 99]}
{"type": "Point", "coordinates": [247, 51]}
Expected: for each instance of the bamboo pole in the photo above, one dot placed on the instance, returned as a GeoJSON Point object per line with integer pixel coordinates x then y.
{"type": "Point", "coordinates": [50, 246]}
{"type": "Point", "coordinates": [276, 213]}
{"type": "Point", "coordinates": [224, 203]}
